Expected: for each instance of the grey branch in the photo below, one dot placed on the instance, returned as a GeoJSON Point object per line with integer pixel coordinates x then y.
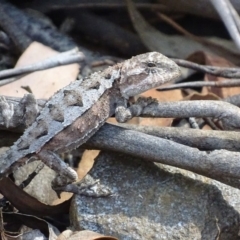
{"type": "Point", "coordinates": [224, 111]}
{"type": "Point", "coordinates": [223, 83]}
{"type": "Point", "coordinates": [201, 139]}
{"type": "Point", "coordinates": [227, 113]}
{"type": "Point", "coordinates": [216, 71]}
{"type": "Point", "coordinates": [221, 165]}
{"type": "Point", "coordinates": [65, 58]}
{"type": "Point", "coordinates": [229, 18]}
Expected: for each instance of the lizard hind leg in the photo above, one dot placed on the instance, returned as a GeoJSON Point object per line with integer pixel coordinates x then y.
{"type": "Point", "coordinates": [63, 182]}
{"type": "Point", "coordinates": [65, 173]}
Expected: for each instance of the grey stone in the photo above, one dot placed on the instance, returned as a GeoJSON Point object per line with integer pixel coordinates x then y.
{"type": "Point", "coordinates": [40, 186]}
{"type": "Point", "coordinates": [152, 203]}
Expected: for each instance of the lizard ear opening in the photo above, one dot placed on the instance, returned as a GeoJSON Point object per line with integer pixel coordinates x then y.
{"type": "Point", "coordinates": [151, 64]}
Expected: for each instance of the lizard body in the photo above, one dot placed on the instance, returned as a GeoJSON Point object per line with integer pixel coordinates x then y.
{"type": "Point", "coordinates": [81, 108]}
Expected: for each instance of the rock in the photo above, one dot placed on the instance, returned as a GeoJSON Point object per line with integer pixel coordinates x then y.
{"type": "Point", "coordinates": [40, 186]}
{"type": "Point", "coordinates": [151, 203]}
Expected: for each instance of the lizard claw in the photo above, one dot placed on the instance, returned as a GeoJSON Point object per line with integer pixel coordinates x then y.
{"type": "Point", "coordinates": [86, 187]}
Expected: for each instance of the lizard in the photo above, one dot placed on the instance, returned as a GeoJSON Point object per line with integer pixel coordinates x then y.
{"type": "Point", "coordinates": [74, 113]}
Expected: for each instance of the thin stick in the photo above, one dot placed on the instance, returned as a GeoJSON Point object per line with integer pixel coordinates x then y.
{"type": "Point", "coordinates": [216, 71]}
{"type": "Point", "coordinates": [65, 58]}
{"type": "Point", "coordinates": [220, 84]}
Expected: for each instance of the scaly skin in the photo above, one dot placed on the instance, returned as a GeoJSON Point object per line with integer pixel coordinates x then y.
{"type": "Point", "coordinates": [85, 105]}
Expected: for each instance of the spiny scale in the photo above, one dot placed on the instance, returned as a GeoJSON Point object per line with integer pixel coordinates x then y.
{"type": "Point", "coordinates": [129, 78]}
{"type": "Point", "coordinates": [60, 111]}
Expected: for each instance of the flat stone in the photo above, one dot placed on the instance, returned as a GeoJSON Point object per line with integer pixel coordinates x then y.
{"type": "Point", "coordinates": [40, 186]}
{"type": "Point", "coordinates": [149, 202]}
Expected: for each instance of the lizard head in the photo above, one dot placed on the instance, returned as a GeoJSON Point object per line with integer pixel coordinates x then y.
{"type": "Point", "coordinates": [146, 71]}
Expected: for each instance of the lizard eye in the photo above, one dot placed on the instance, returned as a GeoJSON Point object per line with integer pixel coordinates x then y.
{"type": "Point", "coordinates": [151, 64]}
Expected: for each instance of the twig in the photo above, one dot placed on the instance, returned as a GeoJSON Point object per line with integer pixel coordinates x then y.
{"type": "Point", "coordinates": [219, 164]}
{"type": "Point", "coordinates": [216, 71]}
{"type": "Point", "coordinates": [213, 45]}
{"type": "Point", "coordinates": [234, 14]}
{"type": "Point", "coordinates": [227, 113]}
{"type": "Point", "coordinates": [156, 6]}
{"type": "Point", "coordinates": [201, 139]}
{"type": "Point", "coordinates": [224, 9]}
{"type": "Point", "coordinates": [65, 58]}
{"type": "Point", "coordinates": [211, 123]}
{"type": "Point", "coordinates": [219, 84]}
{"type": "Point", "coordinates": [114, 138]}
{"type": "Point", "coordinates": [33, 28]}
{"type": "Point", "coordinates": [224, 111]}
{"type": "Point", "coordinates": [193, 123]}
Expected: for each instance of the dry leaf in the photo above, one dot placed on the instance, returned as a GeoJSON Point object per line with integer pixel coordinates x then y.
{"type": "Point", "coordinates": [84, 235]}
{"type": "Point", "coordinates": [212, 60]}
{"type": "Point", "coordinates": [86, 162]}
{"type": "Point", "coordinates": [202, 96]}
{"type": "Point", "coordinates": [177, 46]}
{"type": "Point", "coordinates": [43, 84]}
{"type": "Point", "coordinates": [218, 46]}
{"type": "Point", "coordinates": [28, 204]}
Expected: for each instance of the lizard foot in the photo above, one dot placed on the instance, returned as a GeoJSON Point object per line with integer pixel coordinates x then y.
{"type": "Point", "coordinates": [123, 114]}
{"type": "Point", "coordinates": [145, 101]}
{"type": "Point", "coordinates": [66, 174]}
{"type": "Point", "coordinates": [86, 187]}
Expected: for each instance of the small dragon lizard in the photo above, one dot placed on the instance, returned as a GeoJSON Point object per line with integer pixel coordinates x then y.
{"type": "Point", "coordinates": [81, 108]}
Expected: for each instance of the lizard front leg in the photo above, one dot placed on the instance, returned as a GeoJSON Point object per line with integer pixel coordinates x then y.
{"type": "Point", "coordinates": [123, 114]}
{"type": "Point", "coordinates": [52, 160]}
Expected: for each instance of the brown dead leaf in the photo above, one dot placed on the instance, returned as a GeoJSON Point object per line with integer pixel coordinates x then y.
{"type": "Point", "coordinates": [43, 84]}
{"type": "Point", "coordinates": [202, 96]}
{"type": "Point", "coordinates": [175, 46]}
{"type": "Point", "coordinates": [217, 46]}
{"type": "Point", "coordinates": [86, 162]}
{"type": "Point", "coordinates": [64, 196]}
{"type": "Point", "coordinates": [84, 235]}
{"type": "Point", "coordinates": [28, 204]}
{"type": "Point", "coordinates": [212, 60]}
